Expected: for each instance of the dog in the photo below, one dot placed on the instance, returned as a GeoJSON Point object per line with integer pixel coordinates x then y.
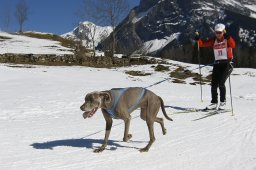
{"type": "Point", "coordinates": [119, 103]}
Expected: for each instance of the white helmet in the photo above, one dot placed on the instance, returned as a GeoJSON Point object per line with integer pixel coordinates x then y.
{"type": "Point", "coordinates": [219, 27]}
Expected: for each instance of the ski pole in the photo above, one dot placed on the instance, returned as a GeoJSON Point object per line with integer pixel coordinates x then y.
{"type": "Point", "coordinates": [200, 78]}
{"type": "Point", "coordinates": [231, 96]}
{"type": "Point", "coordinates": [231, 69]}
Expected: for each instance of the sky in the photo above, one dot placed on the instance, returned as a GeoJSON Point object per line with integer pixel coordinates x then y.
{"type": "Point", "coordinates": [52, 16]}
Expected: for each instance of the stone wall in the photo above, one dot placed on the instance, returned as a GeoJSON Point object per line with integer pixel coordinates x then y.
{"type": "Point", "coordinates": [59, 60]}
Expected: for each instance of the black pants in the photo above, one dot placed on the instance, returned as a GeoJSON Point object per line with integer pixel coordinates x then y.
{"type": "Point", "coordinates": [221, 72]}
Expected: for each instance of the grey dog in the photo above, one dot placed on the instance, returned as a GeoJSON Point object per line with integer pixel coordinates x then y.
{"type": "Point", "coordinates": [119, 103]}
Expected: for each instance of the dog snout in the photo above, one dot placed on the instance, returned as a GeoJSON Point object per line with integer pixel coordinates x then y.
{"type": "Point", "coordinates": [82, 107]}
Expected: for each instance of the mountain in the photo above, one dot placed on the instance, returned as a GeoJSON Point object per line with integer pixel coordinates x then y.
{"type": "Point", "coordinates": [84, 32]}
{"type": "Point", "coordinates": [165, 28]}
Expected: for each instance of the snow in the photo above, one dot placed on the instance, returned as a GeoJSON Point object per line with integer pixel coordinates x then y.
{"type": "Point", "coordinates": [141, 15]}
{"type": "Point", "coordinates": [42, 126]}
{"type": "Point", "coordinates": [157, 44]}
{"type": "Point", "coordinates": [253, 15]}
{"type": "Point", "coordinates": [118, 55]}
{"type": "Point", "coordinates": [207, 8]}
{"type": "Point", "coordinates": [232, 2]}
{"type": "Point", "coordinates": [253, 10]}
{"type": "Point", "coordinates": [84, 27]}
{"type": "Point", "coordinates": [247, 36]}
{"type": "Point", "coordinates": [19, 44]}
{"type": "Point", "coordinates": [251, 7]}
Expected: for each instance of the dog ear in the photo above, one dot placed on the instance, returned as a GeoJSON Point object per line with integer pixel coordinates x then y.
{"type": "Point", "coordinates": [105, 97]}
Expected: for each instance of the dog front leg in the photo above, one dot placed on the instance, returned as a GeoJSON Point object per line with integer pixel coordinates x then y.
{"type": "Point", "coordinates": [127, 136]}
{"type": "Point", "coordinates": [109, 122]}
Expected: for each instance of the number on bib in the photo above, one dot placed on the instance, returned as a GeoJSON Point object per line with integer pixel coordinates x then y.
{"type": "Point", "coordinates": [220, 52]}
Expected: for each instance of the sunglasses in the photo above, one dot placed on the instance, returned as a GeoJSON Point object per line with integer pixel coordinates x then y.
{"type": "Point", "coordinates": [218, 32]}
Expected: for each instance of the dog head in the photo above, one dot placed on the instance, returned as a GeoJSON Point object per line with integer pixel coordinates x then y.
{"type": "Point", "coordinates": [93, 101]}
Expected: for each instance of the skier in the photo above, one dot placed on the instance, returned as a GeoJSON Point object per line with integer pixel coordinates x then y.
{"type": "Point", "coordinates": [222, 45]}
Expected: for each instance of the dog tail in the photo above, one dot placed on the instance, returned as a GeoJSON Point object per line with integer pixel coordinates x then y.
{"type": "Point", "coordinates": [163, 110]}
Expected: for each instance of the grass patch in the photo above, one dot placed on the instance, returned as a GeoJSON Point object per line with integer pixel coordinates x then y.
{"type": "Point", "coordinates": [64, 42]}
{"type": "Point", "coordinates": [161, 68]}
{"type": "Point", "coordinates": [180, 75]}
{"type": "Point", "coordinates": [208, 78]}
{"type": "Point", "coordinates": [137, 73]}
{"type": "Point", "coordinates": [178, 81]}
{"type": "Point", "coordinates": [5, 38]}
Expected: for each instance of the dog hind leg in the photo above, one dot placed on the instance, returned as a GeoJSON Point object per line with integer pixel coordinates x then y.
{"type": "Point", "coordinates": [150, 125]}
{"type": "Point", "coordinates": [161, 122]}
{"type": "Point", "coordinates": [150, 112]}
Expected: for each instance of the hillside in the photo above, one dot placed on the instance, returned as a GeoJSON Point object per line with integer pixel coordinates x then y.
{"type": "Point", "coordinates": [34, 43]}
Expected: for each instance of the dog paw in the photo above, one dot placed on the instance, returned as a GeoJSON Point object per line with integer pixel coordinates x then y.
{"type": "Point", "coordinates": [99, 150]}
{"type": "Point", "coordinates": [129, 136]}
{"type": "Point", "coordinates": [164, 131]}
{"type": "Point", "coordinates": [144, 149]}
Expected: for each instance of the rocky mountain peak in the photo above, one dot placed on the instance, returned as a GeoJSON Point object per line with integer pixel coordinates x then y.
{"type": "Point", "coordinates": [165, 28]}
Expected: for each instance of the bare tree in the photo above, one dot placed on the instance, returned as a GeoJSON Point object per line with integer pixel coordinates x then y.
{"type": "Point", "coordinates": [91, 34]}
{"type": "Point", "coordinates": [108, 12]}
{"type": "Point", "coordinates": [88, 31]}
{"type": "Point", "coordinates": [87, 34]}
{"type": "Point", "coordinates": [21, 13]}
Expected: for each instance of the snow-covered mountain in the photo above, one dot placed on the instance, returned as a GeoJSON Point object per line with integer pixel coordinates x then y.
{"type": "Point", "coordinates": [86, 30]}
{"type": "Point", "coordinates": [166, 27]}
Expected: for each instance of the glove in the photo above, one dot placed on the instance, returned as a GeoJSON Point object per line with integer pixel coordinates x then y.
{"type": "Point", "coordinates": [226, 35]}
{"type": "Point", "coordinates": [197, 36]}
{"type": "Point", "coordinates": [231, 67]}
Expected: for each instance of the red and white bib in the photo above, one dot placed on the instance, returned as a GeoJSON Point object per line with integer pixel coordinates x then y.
{"type": "Point", "coordinates": [220, 50]}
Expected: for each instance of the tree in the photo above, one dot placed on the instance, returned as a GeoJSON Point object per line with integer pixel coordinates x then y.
{"type": "Point", "coordinates": [91, 33]}
{"type": "Point", "coordinates": [107, 12]}
{"type": "Point", "coordinates": [21, 13]}
{"type": "Point", "coordinates": [87, 33]}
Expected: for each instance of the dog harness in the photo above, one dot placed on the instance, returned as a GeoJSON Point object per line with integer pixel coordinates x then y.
{"type": "Point", "coordinates": [117, 93]}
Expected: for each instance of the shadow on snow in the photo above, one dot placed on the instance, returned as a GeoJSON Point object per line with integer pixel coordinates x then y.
{"type": "Point", "coordinates": [80, 143]}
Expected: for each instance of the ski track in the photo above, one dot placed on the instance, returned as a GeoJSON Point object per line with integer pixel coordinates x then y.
{"type": "Point", "coordinates": [42, 126]}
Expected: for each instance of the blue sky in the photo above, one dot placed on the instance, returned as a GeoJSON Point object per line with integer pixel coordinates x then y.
{"type": "Point", "coordinates": [54, 16]}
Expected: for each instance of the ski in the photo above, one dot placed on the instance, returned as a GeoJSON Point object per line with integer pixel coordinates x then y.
{"type": "Point", "coordinates": [223, 110]}
{"type": "Point", "coordinates": [216, 110]}
{"type": "Point", "coordinates": [210, 113]}
{"type": "Point", "coordinates": [191, 110]}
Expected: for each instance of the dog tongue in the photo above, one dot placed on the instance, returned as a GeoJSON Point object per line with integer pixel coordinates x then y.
{"type": "Point", "coordinates": [89, 114]}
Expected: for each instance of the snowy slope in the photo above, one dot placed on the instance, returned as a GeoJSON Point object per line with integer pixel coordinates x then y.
{"type": "Point", "coordinates": [85, 29]}
{"type": "Point", "coordinates": [10, 43]}
{"type": "Point", "coordinates": [157, 44]}
{"type": "Point", "coordinates": [42, 126]}
{"type": "Point", "coordinates": [253, 10]}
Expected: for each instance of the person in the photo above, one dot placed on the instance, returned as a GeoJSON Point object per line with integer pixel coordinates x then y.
{"type": "Point", "coordinates": [222, 45]}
